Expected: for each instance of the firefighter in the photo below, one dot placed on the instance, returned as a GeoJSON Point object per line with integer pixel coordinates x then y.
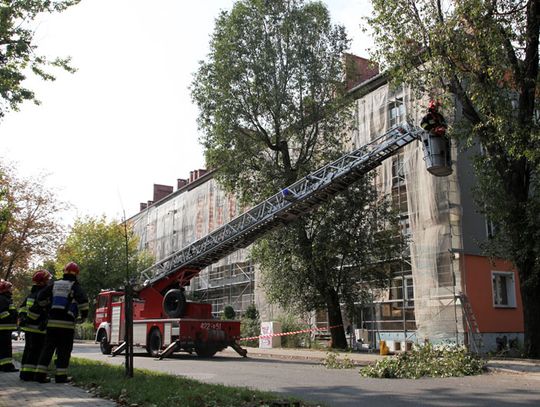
{"type": "Point", "coordinates": [33, 324]}
{"type": "Point", "coordinates": [8, 324]}
{"type": "Point", "coordinates": [433, 121]}
{"type": "Point", "coordinates": [67, 303]}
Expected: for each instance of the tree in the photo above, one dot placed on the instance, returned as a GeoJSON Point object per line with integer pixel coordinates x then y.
{"type": "Point", "coordinates": [273, 108]}
{"type": "Point", "coordinates": [484, 54]}
{"type": "Point", "coordinates": [99, 248]}
{"type": "Point", "coordinates": [229, 312]}
{"type": "Point", "coordinates": [30, 229]}
{"type": "Point", "coordinates": [348, 248]}
{"type": "Point", "coordinates": [18, 51]}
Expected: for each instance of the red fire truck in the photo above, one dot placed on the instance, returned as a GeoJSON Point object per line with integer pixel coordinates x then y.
{"type": "Point", "coordinates": [163, 325]}
{"type": "Point", "coordinates": [164, 322]}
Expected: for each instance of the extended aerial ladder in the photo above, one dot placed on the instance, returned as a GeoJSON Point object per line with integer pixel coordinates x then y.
{"type": "Point", "coordinates": [290, 203]}
{"type": "Point", "coordinates": [163, 318]}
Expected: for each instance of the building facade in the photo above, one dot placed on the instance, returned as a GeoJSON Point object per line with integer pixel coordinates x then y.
{"type": "Point", "coordinates": [443, 288]}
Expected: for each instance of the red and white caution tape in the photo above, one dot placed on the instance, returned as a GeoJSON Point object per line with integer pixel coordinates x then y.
{"type": "Point", "coordinates": [289, 333]}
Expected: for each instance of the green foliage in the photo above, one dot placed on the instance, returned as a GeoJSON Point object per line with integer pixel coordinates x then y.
{"type": "Point", "coordinates": [268, 93]}
{"type": "Point", "coordinates": [29, 226]}
{"type": "Point", "coordinates": [18, 51]}
{"type": "Point", "coordinates": [251, 312]}
{"type": "Point", "coordinates": [333, 361]}
{"type": "Point", "coordinates": [250, 326]}
{"type": "Point", "coordinates": [272, 109]}
{"type": "Point", "coordinates": [229, 312]}
{"type": "Point", "coordinates": [427, 361]}
{"type": "Point", "coordinates": [483, 55]}
{"type": "Point", "coordinates": [149, 388]}
{"type": "Point", "coordinates": [323, 258]}
{"type": "Point", "coordinates": [290, 323]}
{"type": "Point", "coordinates": [99, 248]}
{"type": "Point", "coordinates": [85, 331]}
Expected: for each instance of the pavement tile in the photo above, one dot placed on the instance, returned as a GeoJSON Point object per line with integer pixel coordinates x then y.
{"type": "Point", "coordinates": [16, 392]}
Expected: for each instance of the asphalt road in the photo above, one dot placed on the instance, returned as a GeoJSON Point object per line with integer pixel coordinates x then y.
{"type": "Point", "coordinates": [312, 381]}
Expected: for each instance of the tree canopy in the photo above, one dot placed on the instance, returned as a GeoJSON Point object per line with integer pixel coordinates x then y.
{"type": "Point", "coordinates": [18, 51]}
{"type": "Point", "coordinates": [272, 103]}
{"type": "Point", "coordinates": [30, 230]}
{"type": "Point", "coordinates": [98, 246]}
{"type": "Point", "coordinates": [484, 56]}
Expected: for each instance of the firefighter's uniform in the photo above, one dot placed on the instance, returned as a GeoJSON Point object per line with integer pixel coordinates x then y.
{"type": "Point", "coordinates": [8, 324]}
{"type": "Point", "coordinates": [32, 321]}
{"type": "Point", "coordinates": [65, 299]}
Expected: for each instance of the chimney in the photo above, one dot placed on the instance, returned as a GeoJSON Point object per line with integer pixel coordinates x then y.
{"type": "Point", "coordinates": [191, 176]}
{"type": "Point", "coordinates": [358, 70]}
{"type": "Point", "coordinates": [143, 206]}
{"type": "Point", "coordinates": [181, 183]}
{"type": "Point", "coordinates": [149, 203]}
{"type": "Point", "coordinates": [201, 172]}
{"type": "Point", "coordinates": [161, 191]}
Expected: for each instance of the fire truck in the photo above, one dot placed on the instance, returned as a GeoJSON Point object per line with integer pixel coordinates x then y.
{"type": "Point", "coordinates": [164, 322]}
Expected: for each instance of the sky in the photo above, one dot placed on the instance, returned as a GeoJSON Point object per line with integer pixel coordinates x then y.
{"type": "Point", "coordinates": [125, 120]}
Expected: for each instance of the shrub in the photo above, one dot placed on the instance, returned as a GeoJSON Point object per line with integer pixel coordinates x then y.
{"type": "Point", "coordinates": [85, 331]}
{"type": "Point", "coordinates": [229, 312]}
{"type": "Point", "coordinates": [427, 360]}
{"type": "Point", "coordinates": [251, 326]}
{"type": "Point", "coordinates": [332, 361]}
{"type": "Point", "coordinates": [290, 324]}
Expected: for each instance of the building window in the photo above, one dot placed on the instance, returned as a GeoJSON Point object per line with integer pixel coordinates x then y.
{"type": "Point", "coordinates": [491, 228]}
{"type": "Point", "coordinates": [396, 112]}
{"type": "Point", "coordinates": [504, 289]}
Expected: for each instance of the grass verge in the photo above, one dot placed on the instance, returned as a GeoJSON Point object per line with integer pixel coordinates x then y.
{"type": "Point", "coordinates": [154, 389]}
{"type": "Point", "coordinates": [148, 388]}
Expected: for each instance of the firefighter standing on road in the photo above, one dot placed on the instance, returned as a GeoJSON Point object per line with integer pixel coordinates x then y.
{"type": "Point", "coordinates": [33, 324]}
{"type": "Point", "coordinates": [65, 299]}
{"type": "Point", "coordinates": [8, 324]}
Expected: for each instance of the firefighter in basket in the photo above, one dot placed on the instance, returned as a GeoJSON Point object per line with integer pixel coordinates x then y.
{"type": "Point", "coordinates": [433, 121]}
{"type": "Point", "coordinates": [33, 321]}
{"type": "Point", "coordinates": [8, 324]}
{"type": "Point", "coordinates": [67, 303]}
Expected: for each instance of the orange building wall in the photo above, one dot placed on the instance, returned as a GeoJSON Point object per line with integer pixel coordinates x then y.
{"type": "Point", "coordinates": [479, 289]}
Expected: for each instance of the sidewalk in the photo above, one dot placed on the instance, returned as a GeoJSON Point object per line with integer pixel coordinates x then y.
{"type": "Point", "coordinates": [358, 358]}
{"type": "Point", "coordinates": [513, 366]}
{"type": "Point", "coordinates": [15, 392]}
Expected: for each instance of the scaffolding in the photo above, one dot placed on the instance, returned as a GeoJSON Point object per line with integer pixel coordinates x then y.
{"type": "Point", "coordinates": [430, 219]}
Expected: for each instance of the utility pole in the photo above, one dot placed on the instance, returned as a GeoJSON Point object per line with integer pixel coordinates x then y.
{"type": "Point", "coordinates": [128, 310]}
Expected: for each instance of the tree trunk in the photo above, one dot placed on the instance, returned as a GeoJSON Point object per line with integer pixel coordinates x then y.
{"type": "Point", "coordinates": [531, 313]}
{"type": "Point", "coordinates": [339, 341]}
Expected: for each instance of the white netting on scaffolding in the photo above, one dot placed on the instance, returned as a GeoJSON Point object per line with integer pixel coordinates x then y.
{"type": "Point", "coordinates": [433, 209]}
{"type": "Point", "coordinates": [185, 217]}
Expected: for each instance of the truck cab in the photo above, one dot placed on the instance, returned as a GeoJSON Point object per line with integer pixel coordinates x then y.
{"type": "Point", "coordinates": [103, 317]}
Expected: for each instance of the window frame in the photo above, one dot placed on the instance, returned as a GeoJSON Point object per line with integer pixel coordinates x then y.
{"type": "Point", "coordinates": [510, 288]}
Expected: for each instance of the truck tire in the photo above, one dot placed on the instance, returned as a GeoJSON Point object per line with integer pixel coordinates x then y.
{"type": "Point", "coordinates": [205, 350]}
{"type": "Point", "coordinates": [104, 344]}
{"type": "Point", "coordinates": [154, 342]}
{"type": "Point", "coordinates": [174, 303]}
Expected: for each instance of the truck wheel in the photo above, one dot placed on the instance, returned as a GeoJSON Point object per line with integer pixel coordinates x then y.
{"type": "Point", "coordinates": [174, 303]}
{"type": "Point", "coordinates": [205, 350]}
{"type": "Point", "coordinates": [154, 342]}
{"type": "Point", "coordinates": [104, 344]}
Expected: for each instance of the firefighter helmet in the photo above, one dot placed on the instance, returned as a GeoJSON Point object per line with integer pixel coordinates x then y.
{"type": "Point", "coordinates": [433, 104]}
{"type": "Point", "coordinates": [71, 268]}
{"type": "Point", "coordinates": [41, 277]}
{"type": "Point", "coordinates": [5, 286]}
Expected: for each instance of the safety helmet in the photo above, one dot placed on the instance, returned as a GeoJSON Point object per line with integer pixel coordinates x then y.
{"type": "Point", "coordinates": [433, 104]}
{"type": "Point", "coordinates": [5, 286]}
{"type": "Point", "coordinates": [71, 268]}
{"type": "Point", "coordinates": [41, 277]}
